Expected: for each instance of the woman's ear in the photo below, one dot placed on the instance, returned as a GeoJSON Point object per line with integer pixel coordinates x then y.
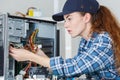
{"type": "Point", "coordinates": [87, 17]}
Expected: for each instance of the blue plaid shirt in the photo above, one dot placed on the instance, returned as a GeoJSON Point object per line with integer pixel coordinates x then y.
{"type": "Point", "coordinates": [95, 57]}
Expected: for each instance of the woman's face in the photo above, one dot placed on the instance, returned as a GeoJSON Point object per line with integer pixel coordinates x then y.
{"type": "Point", "coordinates": [75, 24]}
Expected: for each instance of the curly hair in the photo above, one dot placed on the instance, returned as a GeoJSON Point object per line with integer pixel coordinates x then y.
{"type": "Point", "coordinates": [104, 20]}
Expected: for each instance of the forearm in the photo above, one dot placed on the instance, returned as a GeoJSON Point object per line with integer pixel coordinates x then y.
{"type": "Point", "coordinates": [44, 61]}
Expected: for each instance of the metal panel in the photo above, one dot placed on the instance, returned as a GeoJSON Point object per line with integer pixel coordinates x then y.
{"type": "Point", "coordinates": [16, 30]}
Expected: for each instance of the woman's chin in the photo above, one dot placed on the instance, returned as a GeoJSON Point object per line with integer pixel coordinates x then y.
{"type": "Point", "coordinates": [73, 36]}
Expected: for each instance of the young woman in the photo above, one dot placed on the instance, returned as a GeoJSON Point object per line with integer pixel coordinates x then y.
{"type": "Point", "coordinates": [99, 49]}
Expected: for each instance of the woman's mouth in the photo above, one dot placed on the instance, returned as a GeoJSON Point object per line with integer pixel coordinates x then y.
{"type": "Point", "coordinates": [69, 31]}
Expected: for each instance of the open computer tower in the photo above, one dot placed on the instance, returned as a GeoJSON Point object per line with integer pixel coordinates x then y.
{"type": "Point", "coordinates": [16, 30]}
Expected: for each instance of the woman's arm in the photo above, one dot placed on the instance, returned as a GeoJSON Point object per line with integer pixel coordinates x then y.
{"type": "Point", "coordinates": [25, 55]}
{"type": "Point", "coordinates": [89, 59]}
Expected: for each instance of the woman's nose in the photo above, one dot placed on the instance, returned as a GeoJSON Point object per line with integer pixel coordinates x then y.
{"type": "Point", "coordinates": [66, 24]}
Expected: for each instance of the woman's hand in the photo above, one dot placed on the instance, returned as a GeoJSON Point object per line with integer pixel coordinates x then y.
{"type": "Point", "coordinates": [41, 53]}
{"type": "Point", "coordinates": [25, 55]}
{"type": "Point", "coordinates": [20, 54]}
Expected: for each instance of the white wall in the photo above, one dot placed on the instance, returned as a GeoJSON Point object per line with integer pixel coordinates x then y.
{"type": "Point", "coordinates": [113, 5]}
{"type": "Point", "coordinates": [11, 6]}
{"type": "Point", "coordinates": [47, 6]}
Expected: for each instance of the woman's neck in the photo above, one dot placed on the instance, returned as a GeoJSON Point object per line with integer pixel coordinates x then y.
{"type": "Point", "coordinates": [86, 34]}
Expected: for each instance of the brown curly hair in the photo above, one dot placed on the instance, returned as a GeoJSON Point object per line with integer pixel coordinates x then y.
{"type": "Point", "coordinates": [104, 20]}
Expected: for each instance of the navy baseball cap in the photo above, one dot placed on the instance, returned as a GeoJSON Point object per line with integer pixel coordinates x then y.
{"type": "Point", "coordinates": [91, 6]}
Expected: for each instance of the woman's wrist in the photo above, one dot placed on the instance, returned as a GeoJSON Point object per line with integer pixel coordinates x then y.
{"type": "Point", "coordinates": [32, 57]}
{"type": "Point", "coordinates": [44, 61]}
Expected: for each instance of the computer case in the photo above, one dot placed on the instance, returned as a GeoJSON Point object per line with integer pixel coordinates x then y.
{"type": "Point", "coordinates": [16, 30]}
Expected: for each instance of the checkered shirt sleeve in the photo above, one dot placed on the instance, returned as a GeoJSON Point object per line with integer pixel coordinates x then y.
{"type": "Point", "coordinates": [93, 55]}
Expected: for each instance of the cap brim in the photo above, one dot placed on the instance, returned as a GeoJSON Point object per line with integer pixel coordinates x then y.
{"type": "Point", "coordinates": [58, 16]}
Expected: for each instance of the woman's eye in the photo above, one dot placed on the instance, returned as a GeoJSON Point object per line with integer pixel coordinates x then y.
{"type": "Point", "coordinates": [69, 19]}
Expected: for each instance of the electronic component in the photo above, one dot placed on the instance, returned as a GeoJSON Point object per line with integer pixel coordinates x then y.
{"type": "Point", "coordinates": [15, 31]}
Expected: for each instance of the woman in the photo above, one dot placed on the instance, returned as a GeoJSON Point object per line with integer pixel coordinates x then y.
{"type": "Point", "coordinates": [99, 49]}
